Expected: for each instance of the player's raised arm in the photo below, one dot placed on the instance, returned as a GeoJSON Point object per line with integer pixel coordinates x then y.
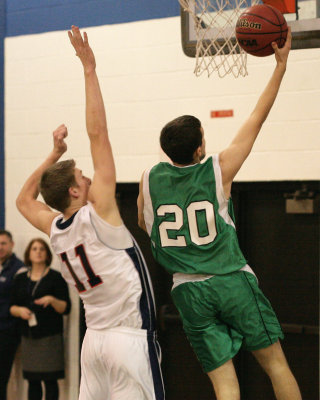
{"type": "Point", "coordinates": [140, 205]}
{"type": "Point", "coordinates": [102, 190]}
{"type": "Point", "coordinates": [37, 212]}
{"type": "Point", "coordinates": [232, 158]}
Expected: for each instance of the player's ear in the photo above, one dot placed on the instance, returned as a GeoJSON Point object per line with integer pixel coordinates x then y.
{"type": "Point", "coordinates": [73, 191]}
{"type": "Point", "coordinates": [197, 154]}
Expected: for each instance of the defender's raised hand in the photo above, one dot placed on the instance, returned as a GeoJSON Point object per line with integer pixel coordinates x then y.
{"type": "Point", "coordinates": [60, 146]}
{"type": "Point", "coordinates": [82, 48]}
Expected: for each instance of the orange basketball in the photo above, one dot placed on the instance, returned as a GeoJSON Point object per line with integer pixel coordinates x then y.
{"type": "Point", "coordinates": [259, 26]}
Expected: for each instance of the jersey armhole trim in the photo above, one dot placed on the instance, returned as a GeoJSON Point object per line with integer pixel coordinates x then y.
{"type": "Point", "coordinates": [218, 177]}
{"type": "Point", "coordinates": [222, 200]}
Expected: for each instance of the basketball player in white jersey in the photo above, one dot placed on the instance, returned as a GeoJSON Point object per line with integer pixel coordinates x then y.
{"type": "Point", "coordinates": [99, 257]}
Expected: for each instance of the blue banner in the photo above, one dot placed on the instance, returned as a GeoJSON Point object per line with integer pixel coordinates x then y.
{"type": "Point", "coordinates": [26, 17]}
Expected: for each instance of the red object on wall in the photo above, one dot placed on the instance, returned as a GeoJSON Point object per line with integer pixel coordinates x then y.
{"type": "Point", "coordinates": [284, 6]}
{"type": "Point", "coordinates": [221, 113]}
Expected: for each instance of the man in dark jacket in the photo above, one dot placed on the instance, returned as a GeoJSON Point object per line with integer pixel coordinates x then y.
{"type": "Point", "coordinates": [9, 334]}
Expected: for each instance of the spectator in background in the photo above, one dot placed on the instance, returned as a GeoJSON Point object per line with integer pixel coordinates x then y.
{"type": "Point", "coordinates": [40, 297]}
{"type": "Point", "coordinates": [9, 332]}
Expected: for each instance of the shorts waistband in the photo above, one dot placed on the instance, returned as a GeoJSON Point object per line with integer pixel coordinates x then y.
{"type": "Point", "coordinates": [179, 278]}
{"type": "Point", "coordinates": [123, 329]}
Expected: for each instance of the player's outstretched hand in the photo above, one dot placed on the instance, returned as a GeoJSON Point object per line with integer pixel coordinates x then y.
{"type": "Point", "coordinates": [59, 144]}
{"type": "Point", "coordinates": [82, 48]}
{"type": "Point", "coordinates": [282, 54]}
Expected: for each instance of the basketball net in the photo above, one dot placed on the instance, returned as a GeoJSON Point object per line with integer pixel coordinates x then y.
{"type": "Point", "coordinates": [216, 47]}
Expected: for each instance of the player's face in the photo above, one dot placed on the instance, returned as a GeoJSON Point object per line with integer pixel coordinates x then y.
{"type": "Point", "coordinates": [38, 253]}
{"type": "Point", "coordinates": [6, 246]}
{"type": "Point", "coordinates": [82, 181]}
{"type": "Point", "coordinates": [203, 145]}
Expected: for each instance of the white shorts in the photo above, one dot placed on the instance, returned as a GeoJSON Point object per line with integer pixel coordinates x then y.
{"type": "Point", "coordinates": [120, 364]}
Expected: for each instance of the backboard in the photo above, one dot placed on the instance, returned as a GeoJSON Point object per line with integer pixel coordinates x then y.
{"type": "Point", "coordinates": [304, 22]}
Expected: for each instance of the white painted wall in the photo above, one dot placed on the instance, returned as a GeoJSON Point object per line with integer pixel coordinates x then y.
{"type": "Point", "coordinates": [146, 80]}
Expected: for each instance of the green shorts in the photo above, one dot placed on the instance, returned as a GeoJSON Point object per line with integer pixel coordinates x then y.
{"type": "Point", "coordinates": [224, 313]}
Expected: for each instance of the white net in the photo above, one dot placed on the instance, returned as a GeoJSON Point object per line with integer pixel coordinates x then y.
{"type": "Point", "coordinates": [214, 24]}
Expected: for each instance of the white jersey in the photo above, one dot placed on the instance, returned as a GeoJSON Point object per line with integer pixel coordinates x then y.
{"type": "Point", "coordinates": [113, 283]}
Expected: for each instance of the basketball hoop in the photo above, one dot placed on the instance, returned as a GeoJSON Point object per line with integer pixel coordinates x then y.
{"type": "Point", "coordinates": [214, 23]}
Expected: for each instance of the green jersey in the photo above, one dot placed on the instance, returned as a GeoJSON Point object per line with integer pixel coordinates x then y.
{"type": "Point", "coordinates": [189, 220]}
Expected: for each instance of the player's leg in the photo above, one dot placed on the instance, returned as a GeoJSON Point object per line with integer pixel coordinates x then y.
{"type": "Point", "coordinates": [225, 382]}
{"type": "Point", "coordinates": [154, 360]}
{"type": "Point", "coordinates": [261, 330]}
{"type": "Point", "coordinates": [273, 361]}
{"type": "Point", "coordinates": [134, 365]}
{"type": "Point", "coordinates": [94, 383]}
{"type": "Point", "coordinates": [214, 342]}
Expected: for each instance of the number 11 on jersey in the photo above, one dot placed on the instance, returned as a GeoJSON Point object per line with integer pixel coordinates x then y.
{"type": "Point", "coordinates": [94, 280]}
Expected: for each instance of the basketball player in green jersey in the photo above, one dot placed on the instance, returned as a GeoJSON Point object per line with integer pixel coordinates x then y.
{"type": "Point", "coordinates": [186, 209]}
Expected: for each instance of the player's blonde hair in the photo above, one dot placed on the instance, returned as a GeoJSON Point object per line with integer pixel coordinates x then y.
{"type": "Point", "coordinates": [55, 183]}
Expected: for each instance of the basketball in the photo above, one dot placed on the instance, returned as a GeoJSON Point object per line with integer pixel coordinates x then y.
{"type": "Point", "coordinates": [258, 26]}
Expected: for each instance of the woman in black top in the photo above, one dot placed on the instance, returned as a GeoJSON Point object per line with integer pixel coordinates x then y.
{"type": "Point", "coordinates": [40, 297]}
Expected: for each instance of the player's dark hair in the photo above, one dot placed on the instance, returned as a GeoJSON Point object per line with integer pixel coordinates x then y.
{"type": "Point", "coordinates": [27, 261]}
{"type": "Point", "coordinates": [180, 138]}
{"type": "Point", "coordinates": [55, 183]}
{"type": "Point", "coordinates": [7, 233]}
